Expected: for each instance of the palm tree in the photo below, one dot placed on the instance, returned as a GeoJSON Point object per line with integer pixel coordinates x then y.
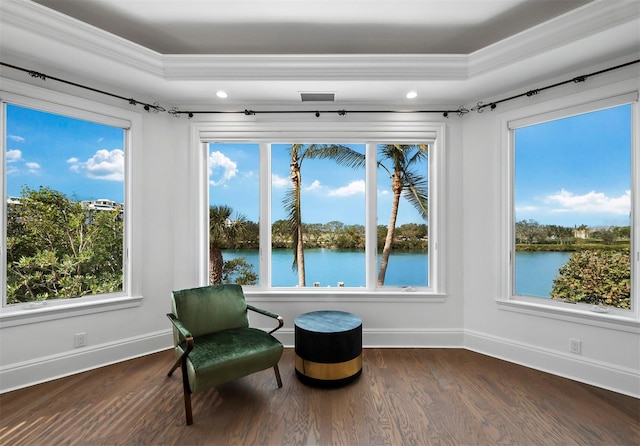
{"type": "Point", "coordinates": [404, 182]}
{"type": "Point", "coordinates": [343, 155]}
{"type": "Point", "coordinates": [221, 228]}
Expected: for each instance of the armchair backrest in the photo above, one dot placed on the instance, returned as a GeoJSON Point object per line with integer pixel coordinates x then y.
{"type": "Point", "coordinates": [209, 309]}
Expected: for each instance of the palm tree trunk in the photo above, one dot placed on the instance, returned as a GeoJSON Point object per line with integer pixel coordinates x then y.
{"type": "Point", "coordinates": [300, 259]}
{"type": "Point", "coordinates": [215, 264]}
{"type": "Point", "coordinates": [299, 235]}
{"type": "Point", "coordinates": [388, 241]}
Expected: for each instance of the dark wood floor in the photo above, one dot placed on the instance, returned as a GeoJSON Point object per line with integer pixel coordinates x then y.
{"type": "Point", "coordinates": [404, 397]}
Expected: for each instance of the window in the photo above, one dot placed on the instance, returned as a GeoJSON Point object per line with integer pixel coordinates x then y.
{"type": "Point", "coordinates": [318, 215]}
{"type": "Point", "coordinates": [234, 209]}
{"type": "Point", "coordinates": [572, 237]}
{"type": "Point", "coordinates": [403, 215]}
{"type": "Point", "coordinates": [328, 204]}
{"type": "Point", "coordinates": [65, 213]}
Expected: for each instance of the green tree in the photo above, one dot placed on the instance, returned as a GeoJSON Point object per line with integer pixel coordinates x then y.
{"type": "Point", "coordinates": [238, 271]}
{"type": "Point", "coordinates": [406, 182]}
{"type": "Point", "coordinates": [222, 230]}
{"type": "Point", "coordinates": [529, 231]}
{"type": "Point", "coordinates": [56, 249]}
{"type": "Point", "coordinates": [595, 277]}
{"type": "Point", "coordinates": [292, 201]}
{"type": "Point", "coordinates": [280, 234]}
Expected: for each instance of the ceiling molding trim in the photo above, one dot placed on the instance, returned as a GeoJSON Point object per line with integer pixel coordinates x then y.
{"type": "Point", "coordinates": [315, 67]}
{"type": "Point", "coordinates": [17, 16]}
{"type": "Point", "coordinates": [588, 20]}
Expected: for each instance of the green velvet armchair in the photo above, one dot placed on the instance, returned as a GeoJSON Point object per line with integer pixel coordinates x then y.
{"type": "Point", "coordinates": [213, 341]}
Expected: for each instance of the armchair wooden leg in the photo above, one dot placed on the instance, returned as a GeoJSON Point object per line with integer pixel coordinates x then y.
{"type": "Point", "coordinates": [278, 379]}
{"type": "Point", "coordinates": [187, 395]}
{"type": "Point", "coordinates": [175, 366]}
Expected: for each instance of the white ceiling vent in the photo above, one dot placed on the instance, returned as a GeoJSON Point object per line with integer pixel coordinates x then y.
{"type": "Point", "coordinates": [318, 97]}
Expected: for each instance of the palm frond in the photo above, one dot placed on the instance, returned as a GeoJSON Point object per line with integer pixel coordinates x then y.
{"type": "Point", "coordinates": [416, 192]}
{"type": "Point", "coordinates": [421, 154]}
{"type": "Point", "coordinates": [341, 154]}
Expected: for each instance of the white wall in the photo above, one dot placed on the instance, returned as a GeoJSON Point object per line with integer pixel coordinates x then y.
{"type": "Point", "coordinates": [468, 317]}
{"type": "Point", "coordinates": [610, 356]}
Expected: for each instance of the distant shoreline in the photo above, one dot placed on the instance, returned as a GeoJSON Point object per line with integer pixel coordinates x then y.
{"type": "Point", "coordinates": [551, 247]}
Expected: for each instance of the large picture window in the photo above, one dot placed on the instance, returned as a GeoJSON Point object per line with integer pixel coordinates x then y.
{"type": "Point", "coordinates": [343, 215]}
{"type": "Point", "coordinates": [573, 230]}
{"type": "Point", "coordinates": [64, 195]}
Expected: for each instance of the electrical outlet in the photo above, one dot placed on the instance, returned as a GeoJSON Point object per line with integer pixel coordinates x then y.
{"type": "Point", "coordinates": [80, 340]}
{"type": "Point", "coordinates": [575, 346]}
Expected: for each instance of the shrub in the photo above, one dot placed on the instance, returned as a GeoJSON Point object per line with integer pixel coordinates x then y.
{"type": "Point", "coordinates": [595, 277]}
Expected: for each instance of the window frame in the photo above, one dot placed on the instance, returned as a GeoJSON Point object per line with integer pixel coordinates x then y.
{"type": "Point", "coordinates": [378, 129]}
{"type": "Point", "coordinates": [626, 320]}
{"type": "Point", "coordinates": [49, 101]}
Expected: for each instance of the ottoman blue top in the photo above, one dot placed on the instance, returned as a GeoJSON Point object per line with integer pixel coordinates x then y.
{"type": "Point", "coordinates": [328, 321]}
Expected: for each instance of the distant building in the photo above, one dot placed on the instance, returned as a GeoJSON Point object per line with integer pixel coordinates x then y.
{"type": "Point", "coordinates": [101, 204]}
{"type": "Point", "coordinates": [580, 233]}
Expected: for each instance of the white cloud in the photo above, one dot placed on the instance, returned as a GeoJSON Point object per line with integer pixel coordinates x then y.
{"type": "Point", "coordinates": [15, 164]}
{"type": "Point", "coordinates": [314, 186]}
{"type": "Point", "coordinates": [13, 156]}
{"type": "Point", "coordinates": [590, 202]}
{"type": "Point", "coordinates": [279, 182]}
{"type": "Point", "coordinates": [222, 167]}
{"type": "Point", "coordinates": [15, 138]}
{"type": "Point", "coordinates": [354, 188]}
{"type": "Point", "coordinates": [104, 165]}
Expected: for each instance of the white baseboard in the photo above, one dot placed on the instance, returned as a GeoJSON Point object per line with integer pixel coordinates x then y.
{"type": "Point", "coordinates": [28, 373]}
{"type": "Point", "coordinates": [578, 368]}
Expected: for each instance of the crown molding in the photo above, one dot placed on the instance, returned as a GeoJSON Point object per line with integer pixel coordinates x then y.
{"type": "Point", "coordinates": [29, 27]}
{"type": "Point", "coordinates": [18, 17]}
{"type": "Point", "coordinates": [583, 22]}
{"type": "Point", "coordinates": [316, 67]}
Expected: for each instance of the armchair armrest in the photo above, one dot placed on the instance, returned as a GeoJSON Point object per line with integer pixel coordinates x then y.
{"type": "Point", "coordinates": [183, 332]}
{"type": "Point", "coordinates": [269, 314]}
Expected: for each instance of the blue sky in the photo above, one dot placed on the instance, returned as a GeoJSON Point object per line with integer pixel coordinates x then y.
{"type": "Point", "coordinates": [568, 172]}
{"type": "Point", "coordinates": [84, 160]}
{"type": "Point", "coordinates": [575, 170]}
{"type": "Point", "coordinates": [329, 192]}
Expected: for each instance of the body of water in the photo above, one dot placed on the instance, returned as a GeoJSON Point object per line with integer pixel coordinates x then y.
{"type": "Point", "coordinates": [535, 271]}
{"type": "Point", "coordinates": [328, 267]}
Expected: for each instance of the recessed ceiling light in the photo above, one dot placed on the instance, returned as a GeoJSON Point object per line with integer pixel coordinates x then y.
{"type": "Point", "coordinates": [412, 95]}
{"type": "Point", "coordinates": [221, 94]}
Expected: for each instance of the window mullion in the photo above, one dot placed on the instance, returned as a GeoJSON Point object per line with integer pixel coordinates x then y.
{"type": "Point", "coordinates": [371, 217]}
{"type": "Point", "coordinates": [265, 216]}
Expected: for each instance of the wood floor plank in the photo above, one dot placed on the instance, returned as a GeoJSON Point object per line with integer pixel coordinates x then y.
{"type": "Point", "coordinates": [403, 397]}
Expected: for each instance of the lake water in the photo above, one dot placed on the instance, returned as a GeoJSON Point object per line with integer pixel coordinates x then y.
{"type": "Point", "coordinates": [328, 267]}
{"type": "Point", "coordinates": [535, 271]}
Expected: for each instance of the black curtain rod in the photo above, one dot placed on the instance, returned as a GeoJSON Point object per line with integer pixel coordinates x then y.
{"type": "Point", "coordinates": [148, 107]}
{"type": "Point", "coordinates": [460, 111]}
{"type": "Point", "coordinates": [480, 106]}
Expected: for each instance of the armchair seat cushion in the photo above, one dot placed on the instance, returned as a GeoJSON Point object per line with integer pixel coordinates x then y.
{"type": "Point", "coordinates": [229, 354]}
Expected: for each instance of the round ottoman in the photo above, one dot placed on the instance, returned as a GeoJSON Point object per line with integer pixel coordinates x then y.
{"type": "Point", "coordinates": [328, 347]}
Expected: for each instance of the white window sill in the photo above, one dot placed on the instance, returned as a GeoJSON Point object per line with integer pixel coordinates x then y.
{"type": "Point", "coordinates": [343, 295]}
{"type": "Point", "coordinates": [582, 315]}
{"type": "Point", "coordinates": [48, 311]}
